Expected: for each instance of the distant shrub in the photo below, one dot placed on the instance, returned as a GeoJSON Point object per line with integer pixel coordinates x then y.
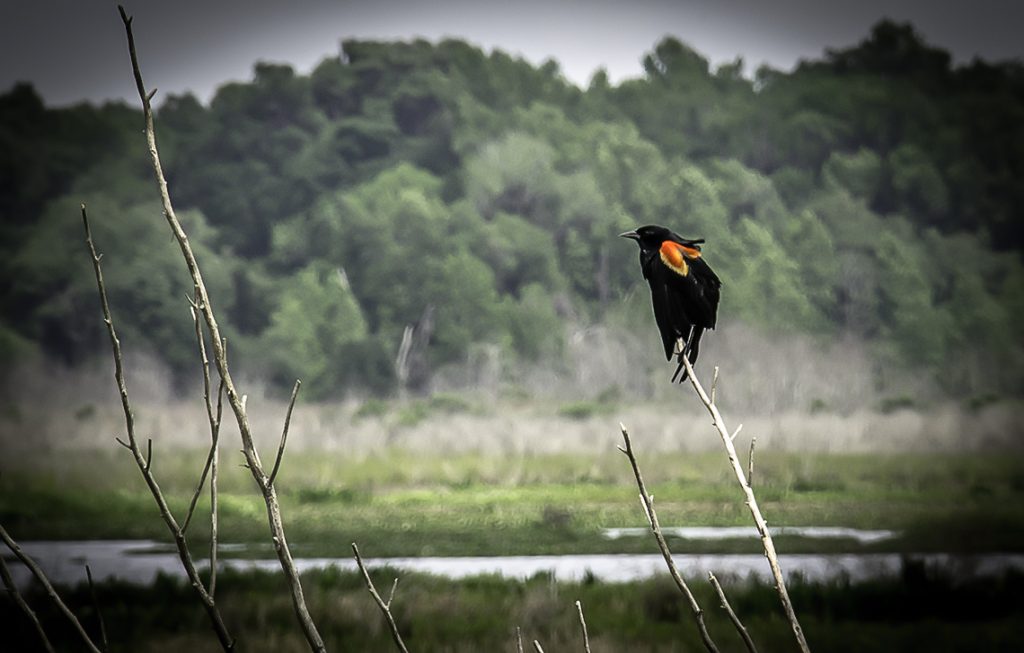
{"type": "Point", "coordinates": [583, 409]}
{"type": "Point", "coordinates": [371, 408]}
{"type": "Point", "coordinates": [449, 403]}
{"type": "Point", "coordinates": [412, 413]}
{"type": "Point", "coordinates": [892, 404]}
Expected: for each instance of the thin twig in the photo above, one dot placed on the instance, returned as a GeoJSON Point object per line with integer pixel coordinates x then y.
{"type": "Point", "coordinates": [751, 501]}
{"type": "Point", "coordinates": [226, 641]}
{"type": "Point", "coordinates": [96, 607]}
{"type": "Point", "coordinates": [384, 607]}
{"type": "Point", "coordinates": [583, 625]}
{"type": "Point", "coordinates": [740, 628]}
{"type": "Point", "coordinates": [12, 591]}
{"type": "Point", "coordinates": [750, 463]}
{"type": "Point", "coordinates": [212, 459]}
{"type": "Point", "coordinates": [236, 402]}
{"type": "Point", "coordinates": [284, 431]}
{"type": "Point", "coordinates": [45, 582]}
{"type": "Point", "coordinates": [537, 646]}
{"type": "Point", "coordinates": [648, 503]}
{"type": "Point", "coordinates": [519, 640]}
{"type": "Point", "coordinates": [213, 420]}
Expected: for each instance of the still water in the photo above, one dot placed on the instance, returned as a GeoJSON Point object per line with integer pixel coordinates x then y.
{"type": "Point", "coordinates": [140, 561]}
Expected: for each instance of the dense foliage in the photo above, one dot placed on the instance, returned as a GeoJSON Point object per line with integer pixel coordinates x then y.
{"type": "Point", "coordinates": [875, 193]}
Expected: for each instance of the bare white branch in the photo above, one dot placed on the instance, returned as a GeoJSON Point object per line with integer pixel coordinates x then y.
{"type": "Point", "coordinates": [755, 511]}
{"type": "Point", "coordinates": [583, 625]}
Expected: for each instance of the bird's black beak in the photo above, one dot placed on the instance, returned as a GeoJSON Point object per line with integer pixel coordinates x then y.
{"type": "Point", "coordinates": [630, 234]}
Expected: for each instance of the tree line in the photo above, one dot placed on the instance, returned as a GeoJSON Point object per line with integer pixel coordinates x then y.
{"type": "Point", "coordinates": [872, 193]}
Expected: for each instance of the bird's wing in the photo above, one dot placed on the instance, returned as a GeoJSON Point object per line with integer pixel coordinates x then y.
{"type": "Point", "coordinates": [669, 310]}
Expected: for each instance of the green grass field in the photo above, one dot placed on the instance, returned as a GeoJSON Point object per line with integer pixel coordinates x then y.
{"type": "Point", "coordinates": [400, 503]}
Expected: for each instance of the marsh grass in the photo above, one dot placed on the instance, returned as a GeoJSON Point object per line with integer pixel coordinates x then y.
{"type": "Point", "coordinates": [922, 608]}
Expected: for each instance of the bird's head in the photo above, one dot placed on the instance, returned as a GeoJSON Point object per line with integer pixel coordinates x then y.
{"type": "Point", "coordinates": [649, 237]}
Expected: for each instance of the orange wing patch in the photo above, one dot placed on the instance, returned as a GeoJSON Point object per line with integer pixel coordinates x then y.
{"type": "Point", "coordinates": [674, 256]}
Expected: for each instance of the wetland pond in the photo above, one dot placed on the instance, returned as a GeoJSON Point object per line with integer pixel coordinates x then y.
{"type": "Point", "coordinates": [141, 561]}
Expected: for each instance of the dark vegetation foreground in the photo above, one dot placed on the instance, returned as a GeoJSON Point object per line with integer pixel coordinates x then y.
{"type": "Point", "coordinates": [920, 610]}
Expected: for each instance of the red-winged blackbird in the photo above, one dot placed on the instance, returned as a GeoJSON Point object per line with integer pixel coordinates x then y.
{"type": "Point", "coordinates": [684, 290]}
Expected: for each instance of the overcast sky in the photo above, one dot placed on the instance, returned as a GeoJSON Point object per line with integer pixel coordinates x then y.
{"type": "Point", "coordinates": [74, 50]}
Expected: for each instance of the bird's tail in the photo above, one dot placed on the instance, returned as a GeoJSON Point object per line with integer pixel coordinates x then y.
{"type": "Point", "coordinates": [690, 350]}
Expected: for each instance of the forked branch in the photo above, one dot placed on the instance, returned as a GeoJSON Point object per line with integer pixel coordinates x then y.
{"type": "Point", "coordinates": [385, 606]}
{"type": "Point", "coordinates": [235, 400]}
{"type": "Point", "coordinates": [647, 501]}
{"type": "Point", "coordinates": [751, 501]}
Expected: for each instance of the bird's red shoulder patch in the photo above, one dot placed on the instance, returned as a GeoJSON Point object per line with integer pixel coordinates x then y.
{"type": "Point", "coordinates": [674, 256]}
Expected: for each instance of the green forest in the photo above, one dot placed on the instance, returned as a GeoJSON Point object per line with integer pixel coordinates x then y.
{"type": "Point", "coordinates": [874, 193]}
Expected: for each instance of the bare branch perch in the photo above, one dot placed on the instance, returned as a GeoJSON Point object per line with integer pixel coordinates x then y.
{"type": "Point", "coordinates": [384, 607]}
{"type": "Point", "coordinates": [583, 625]}
{"type": "Point", "coordinates": [12, 591]}
{"type": "Point", "coordinates": [537, 646]}
{"type": "Point", "coordinates": [45, 582]}
{"type": "Point", "coordinates": [740, 628]}
{"type": "Point", "coordinates": [751, 501]}
{"type": "Point", "coordinates": [284, 432]}
{"type": "Point", "coordinates": [648, 504]}
{"type": "Point", "coordinates": [226, 641]}
{"type": "Point", "coordinates": [236, 402]}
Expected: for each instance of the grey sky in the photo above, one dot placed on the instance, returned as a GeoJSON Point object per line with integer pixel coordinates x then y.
{"type": "Point", "coordinates": [74, 49]}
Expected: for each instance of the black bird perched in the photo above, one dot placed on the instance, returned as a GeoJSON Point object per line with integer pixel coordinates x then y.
{"type": "Point", "coordinates": [684, 290]}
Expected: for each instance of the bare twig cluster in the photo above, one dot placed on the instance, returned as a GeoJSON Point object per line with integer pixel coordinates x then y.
{"type": "Point", "coordinates": [265, 482]}
{"type": "Point", "coordinates": [145, 463]}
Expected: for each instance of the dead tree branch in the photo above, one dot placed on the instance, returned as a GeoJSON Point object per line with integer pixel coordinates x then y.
{"type": "Point", "coordinates": [226, 641]}
{"type": "Point", "coordinates": [583, 625]}
{"type": "Point", "coordinates": [740, 628]}
{"type": "Point", "coordinates": [385, 606]}
{"type": "Point", "coordinates": [52, 593]}
{"type": "Point", "coordinates": [234, 398]}
{"type": "Point", "coordinates": [652, 518]}
{"type": "Point", "coordinates": [751, 501]}
{"type": "Point", "coordinates": [12, 591]}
